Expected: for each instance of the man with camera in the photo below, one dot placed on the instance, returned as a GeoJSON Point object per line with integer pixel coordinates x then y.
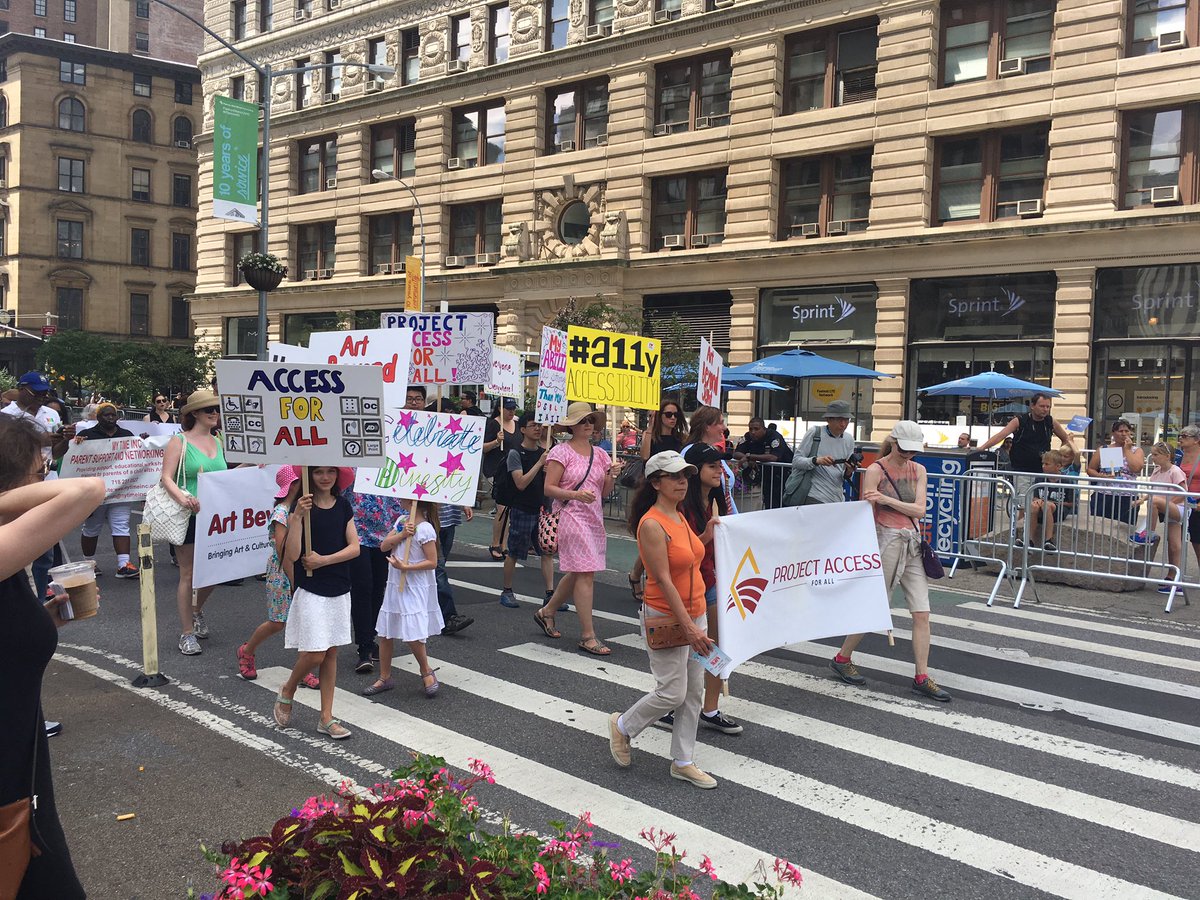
{"type": "Point", "coordinates": [825, 457]}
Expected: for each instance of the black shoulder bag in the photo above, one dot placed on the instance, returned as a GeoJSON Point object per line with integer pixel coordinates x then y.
{"type": "Point", "coordinates": [929, 559]}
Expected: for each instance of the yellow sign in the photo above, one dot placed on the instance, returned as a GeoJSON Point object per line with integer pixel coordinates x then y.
{"type": "Point", "coordinates": [825, 391]}
{"type": "Point", "coordinates": [612, 369]}
{"type": "Point", "coordinates": [412, 284]}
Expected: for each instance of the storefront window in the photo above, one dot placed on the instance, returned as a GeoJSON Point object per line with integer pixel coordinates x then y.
{"type": "Point", "coordinates": [298, 327]}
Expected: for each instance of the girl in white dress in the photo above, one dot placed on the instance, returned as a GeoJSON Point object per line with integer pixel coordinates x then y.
{"type": "Point", "coordinates": [410, 613]}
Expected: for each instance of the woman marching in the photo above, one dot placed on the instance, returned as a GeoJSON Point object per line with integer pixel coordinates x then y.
{"type": "Point", "coordinates": [667, 431]}
{"type": "Point", "coordinates": [202, 452]}
{"type": "Point", "coordinates": [319, 619]}
{"type": "Point", "coordinates": [410, 610]}
{"type": "Point", "coordinates": [160, 412]}
{"type": "Point", "coordinates": [578, 477]}
{"type": "Point", "coordinates": [708, 427]}
{"type": "Point", "coordinates": [672, 554]}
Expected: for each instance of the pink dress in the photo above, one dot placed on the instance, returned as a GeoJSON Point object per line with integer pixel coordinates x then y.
{"type": "Point", "coordinates": [581, 536]}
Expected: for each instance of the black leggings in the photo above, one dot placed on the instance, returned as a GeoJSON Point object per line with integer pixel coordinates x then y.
{"type": "Point", "coordinates": [368, 579]}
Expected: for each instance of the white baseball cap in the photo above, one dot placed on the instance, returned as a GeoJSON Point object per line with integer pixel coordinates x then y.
{"type": "Point", "coordinates": [668, 462]}
{"type": "Point", "coordinates": [908, 436]}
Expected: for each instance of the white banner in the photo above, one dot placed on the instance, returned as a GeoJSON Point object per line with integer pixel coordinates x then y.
{"type": "Point", "coordinates": [129, 468]}
{"type": "Point", "coordinates": [232, 537]}
{"type": "Point", "coordinates": [137, 426]}
{"type": "Point", "coordinates": [824, 580]}
{"type": "Point", "coordinates": [430, 456]}
{"type": "Point", "coordinates": [303, 414]}
{"type": "Point", "coordinates": [280, 352]}
{"type": "Point", "coordinates": [708, 384]}
{"type": "Point", "coordinates": [448, 348]}
{"type": "Point", "coordinates": [506, 374]}
{"type": "Point", "coordinates": [551, 403]}
{"type": "Point", "coordinates": [388, 348]}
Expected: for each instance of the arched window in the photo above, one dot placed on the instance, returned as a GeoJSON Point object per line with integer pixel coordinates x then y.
{"type": "Point", "coordinates": [70, 114]}
{"type": "Point", "coordinates": [142, 129]}
{"type": "Point", "coordinates": [183, 131]}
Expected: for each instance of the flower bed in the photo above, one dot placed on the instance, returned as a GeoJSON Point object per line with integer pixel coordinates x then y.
{"type": "Point", "coordinates": [421, 838]}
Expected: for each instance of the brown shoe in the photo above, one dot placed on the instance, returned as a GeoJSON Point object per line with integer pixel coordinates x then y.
{"type": "Point", "coordinates": [693, 775]}
{"type": "Point", "coordinates": [618, 744]}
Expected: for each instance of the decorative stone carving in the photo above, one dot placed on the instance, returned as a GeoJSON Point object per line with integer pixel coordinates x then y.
{"type": "Point", "coordinates": [352, 75]}
{"type": "Point", "coordinates": [631, 7]}
{"type": "Point", "coordinates": [524, 25]}
{"type": "Point", "coordinates": [477, 37]}
{"type": "Point", "coordinates": [516, 242]}
{"type": "Point", "coordinates": [615, 234]}
{"type": "Point", "coordinates": [389, 54]}
{"type": "Point", "coordinates": [433, 48]}
{"type": "Point", "coordinates": [575, 13]}
{"type": "Point", "coordinates": [550, 205]}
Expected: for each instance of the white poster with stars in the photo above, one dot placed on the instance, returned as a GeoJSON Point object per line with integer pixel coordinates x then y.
{"type": "Point", "coordinates": [447, 348]}
{"type": "Point", "coordinates": [430, 456]}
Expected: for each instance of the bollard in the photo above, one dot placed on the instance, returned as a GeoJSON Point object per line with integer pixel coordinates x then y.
{"type": "Point", "coordinates": [150, 676]}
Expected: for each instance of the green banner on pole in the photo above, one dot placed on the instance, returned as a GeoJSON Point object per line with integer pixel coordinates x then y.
{"type": "Point", "coordinates": [235, 160]}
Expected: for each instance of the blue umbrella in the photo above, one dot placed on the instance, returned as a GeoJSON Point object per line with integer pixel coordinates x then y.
{"type": "Point", "coordinates": [803, 364]}
{"type": "Point", "coordinates": [989, 384]}
{"type": "Point", "coordinates": [740, 384]}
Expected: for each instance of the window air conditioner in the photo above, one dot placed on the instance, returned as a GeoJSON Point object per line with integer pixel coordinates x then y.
{"type": "Point", "coordinates": [597, 31]}
{"type": "Point", "coordinates": [673, 241]}
{"type": "Point", "coordinates": [334, 4]}
{"type": "Point", "coordinates": [1014, 66]}
{"type": "Point", "coordinates": [324, 273]}
{"type": "Point", "coordinates": [310, 274]}
{"type": "Point", "coordinates": [330, 184]}
{"type": "Point", "coordinates": [487, 259]}
{"type": "Point", "coordinates": [566, 146]}
{"type": "Point", "coordinates": [454, 262]}
{"type": "Point", "coordinates": [373, 87]}
{"type": "Point", "coordinates": [703, 121]}
{"type": "Point", "coordinates": [664, 128]}
{"type": "Point", "coordinates": [302, 14]}
{"type": "Point", "coordinates": [699, 240]}
{"type": "Point", "coordinates": [662, 15]}
{"type": "Point", "coordinates": [1168, 194]}
{"type": "Point", "coordinates": [456, 65]}
{"type": "Point", "coordinates": [1172, 40]}
{"type": "Point", "coordinates": [383, 269]}
{"type": "Point", "coordinates": [1026, 208]}
{"type": "Point", "coordinates": [601, 140]}
{"type": "Point", "coordinates": [808, 229]}
{"type": "Point", "coordinates": [3, 183]}
{"type": "Point", "coordinates": [722, 4]}
{"type": "Point", "coordinates": [453, 164]}
{"type": "Point", "coordinates": [835, 226]}
{"type": "Point", "coordinates": [184, 145]}
{"type": "Point", "coordinates": [331, 98]}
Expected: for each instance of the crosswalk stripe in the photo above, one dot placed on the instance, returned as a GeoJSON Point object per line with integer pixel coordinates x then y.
{"type": "Point", "coordinates": [1037, 637]}
{"type": "Point", "coordinates": [1024, 658]}
{"type": "Point", "coordinates": [1032, 615]}
{"type": "Point", "coordinates": [953, 842]}
{"type": "Point", "coordinates": [1030, 699]}
{"type": "Point", "coordinates": [1122, 817]}
{"type": "Point", "coordinates": [552, 787]}
{"type": "Point", "coordinates": [1042, 741]}
{"type": "Point", "coordinates": [538, 601]}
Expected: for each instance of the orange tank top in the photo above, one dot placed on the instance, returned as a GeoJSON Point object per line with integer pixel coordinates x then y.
{"type": "Point", "coordinates": [685, 551]}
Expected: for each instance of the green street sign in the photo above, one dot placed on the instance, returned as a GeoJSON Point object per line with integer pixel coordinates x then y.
{"type": "Point", "coordinates": [235, 160]}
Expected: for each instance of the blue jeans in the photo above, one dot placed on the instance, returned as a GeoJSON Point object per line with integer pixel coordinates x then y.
{"type": "Point", "coordinates": [445, 595]}
{"type": "Point", "coordinates": [41, 570]}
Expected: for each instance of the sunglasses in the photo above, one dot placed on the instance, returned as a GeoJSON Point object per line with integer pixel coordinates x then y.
{"type": "Point", "coordinates": [210, 410]}
{"type": "Point", "coordinates": [670, 415]}
{"type": "Point", "coordinates": [590, 420]}
{"type": "Point", "coordinates": [160, 399]}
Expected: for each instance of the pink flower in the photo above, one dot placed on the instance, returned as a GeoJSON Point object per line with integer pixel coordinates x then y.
{"type": "Point", "coordinates": [542, 879]}
{"type": "Point", "coordinates": [622, 871]}
{"type": "Point", "coordinates": [707, 867]}
{"type": "Point", "coordinates": [787, 873]}
{"type": "Point", "coordinates": [481, 770]}
{"type": "Point", "coordinates": [686, 893]}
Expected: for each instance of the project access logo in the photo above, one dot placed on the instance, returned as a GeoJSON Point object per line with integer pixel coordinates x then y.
{"type": "Point", "coordinates": [748, 586]}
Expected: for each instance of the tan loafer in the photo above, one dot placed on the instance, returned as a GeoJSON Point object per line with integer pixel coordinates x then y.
{"type": "Point", "coordinates": [693, 775]}
{"type": "Point", "coordinates": [618, 744]}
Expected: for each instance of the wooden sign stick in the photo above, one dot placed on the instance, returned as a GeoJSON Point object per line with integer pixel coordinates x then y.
{"type": "Point", "coordinates": [404, 558]}
{"type": "Point", "coordinates": [305, 489]}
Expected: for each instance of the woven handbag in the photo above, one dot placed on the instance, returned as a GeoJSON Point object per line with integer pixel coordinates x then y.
{"type": "Point", "coordinates": [168, 520]}
{"type": "Point", "coordinates": [547, 530]}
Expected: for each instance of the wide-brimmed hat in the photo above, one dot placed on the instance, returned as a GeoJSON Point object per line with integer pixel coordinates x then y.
{"type": "Point", "coordinates": [668, 462]}
{"type": "Point", "coordinates": [837, 409]}
{"type": "Point", "coordinates": [908, 436]}
{"type": "Point", "coordinates": [201, 399]}
{"type": "Point", "coordinates": [285, 478]}
{"type": "Point", "coordinates": [578, 411]}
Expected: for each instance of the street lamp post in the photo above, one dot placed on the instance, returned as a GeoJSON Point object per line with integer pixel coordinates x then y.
{"type": "Point", "coordinates": [266, 73]}
{"type": "Point", "coordinates": [380, 175]}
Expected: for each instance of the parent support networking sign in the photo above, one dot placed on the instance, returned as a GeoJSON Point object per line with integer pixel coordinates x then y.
{"type": "Point", "coordinates": [129, 467]}
{"type": "Point", "coordinates": [430, 456]}
{"type": "Point", "coordinates": [448, 348]}
{"type": "Point", "coordinates": [612, 369]}
{"type": "Point", "coordinates": [235, 159]}
{"type": "Point", "coordinates": [550, 404]}
{"type": "Point", "coordinates": [300, 413]}
{"type": "Point", "coordinates": [824, 580]}
{"type": "Point", "coordinates": [388, 348]}
{"type": "Point", "coordinates": [232, 535]}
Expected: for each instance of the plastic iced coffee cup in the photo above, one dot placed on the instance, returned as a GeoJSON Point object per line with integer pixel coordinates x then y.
{"type": "Point", "coordinates": [79, 579]}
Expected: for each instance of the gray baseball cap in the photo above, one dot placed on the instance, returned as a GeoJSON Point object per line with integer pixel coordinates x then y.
{"type": "Point", "coordinates": [838, 409]}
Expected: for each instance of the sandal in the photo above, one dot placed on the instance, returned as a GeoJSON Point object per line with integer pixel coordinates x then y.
{"type": "Point", "coordinates": [430, 689]}
{"type": "Point", "coordinates": [282, 711]}
{"type": "Point", "coordinates": [593, 646]}
{"type": "Point", "coordinates": [311, 681]}
{"type": "Point", "coordinates": [383, 684]}
{"type": "Point", "coordinates": [334, 729]}
{"type": "Point", "coordinates": [546, 623]}
{"type": "Point", "coordinates": [498, 553]}
{"type": "Point", "coordinates": [635, 588]}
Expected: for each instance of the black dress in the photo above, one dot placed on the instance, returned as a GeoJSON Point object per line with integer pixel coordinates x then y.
{"type": "Point", "coordinates": [28, 639]}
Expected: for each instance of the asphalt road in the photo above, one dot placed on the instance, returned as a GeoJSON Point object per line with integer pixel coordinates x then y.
{"type": "Point", "coordinates": [1065, 766]}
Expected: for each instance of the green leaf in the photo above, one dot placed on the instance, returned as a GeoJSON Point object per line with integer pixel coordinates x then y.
{"type": "Point", "coordinates": [350, 868]}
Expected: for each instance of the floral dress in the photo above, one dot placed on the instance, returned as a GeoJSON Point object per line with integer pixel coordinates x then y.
{"type": "Point", "coordinates": [279, 589]}
{"type": "Point", "coordinates": [581, 536]}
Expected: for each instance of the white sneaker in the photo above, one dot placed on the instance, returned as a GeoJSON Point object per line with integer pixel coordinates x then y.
{"type": "Point", "coordinates": [189, 646]}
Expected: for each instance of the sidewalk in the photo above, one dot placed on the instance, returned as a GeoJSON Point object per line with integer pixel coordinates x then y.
{"type": "Point", "coordinates": [1148, 604]}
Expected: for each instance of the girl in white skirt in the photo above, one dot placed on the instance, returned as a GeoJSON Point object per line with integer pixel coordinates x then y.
{"type": "Point", "coordinates": [410, 613]}
{"type": "Point", "coordinates": [319, 619]}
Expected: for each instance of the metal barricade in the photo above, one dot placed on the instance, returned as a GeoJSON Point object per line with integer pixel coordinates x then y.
{"type": "Point", "coordinates": [1104, 538]}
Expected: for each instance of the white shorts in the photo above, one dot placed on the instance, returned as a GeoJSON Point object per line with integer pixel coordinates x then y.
{"type": "Point", "coordinates": [117, 516]}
